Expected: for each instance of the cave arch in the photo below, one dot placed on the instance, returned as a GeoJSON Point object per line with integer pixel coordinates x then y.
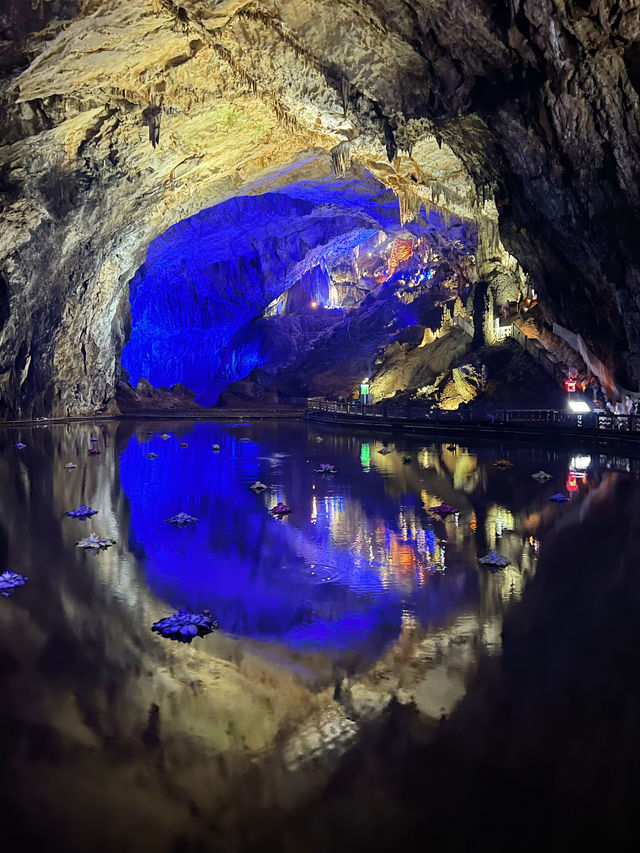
{"type": "Point", "coordinates": [205, 301]}
{"type": "Point", "coordinates": [534, 108]}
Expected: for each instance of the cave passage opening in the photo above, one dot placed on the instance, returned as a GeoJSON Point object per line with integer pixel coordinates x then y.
{"type": "Point", "coordinates": [298, 291]}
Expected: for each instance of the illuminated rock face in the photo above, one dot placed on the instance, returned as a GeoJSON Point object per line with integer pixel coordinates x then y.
{"type": "Point", "coordinates": [207, 278]}
{"type": "Point", "coordinates": [118, 122]}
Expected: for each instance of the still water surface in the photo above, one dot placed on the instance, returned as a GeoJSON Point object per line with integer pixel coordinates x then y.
{"type": "Point", "coordinates": [358, 602]}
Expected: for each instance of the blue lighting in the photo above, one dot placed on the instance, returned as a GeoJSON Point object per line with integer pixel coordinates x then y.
{"type": "Point", "coordinates": [207, 278]}
{"type": "Point", "coordinates": [305, 581]}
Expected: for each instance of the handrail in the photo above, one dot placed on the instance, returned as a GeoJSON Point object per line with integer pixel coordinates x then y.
{"type": "Point", "coordinates": [417, 412]}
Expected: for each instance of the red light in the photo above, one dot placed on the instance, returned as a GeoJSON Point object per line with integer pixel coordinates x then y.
{"type": "Point", "coordinates": [572, 485]}
{"type": "Point", "coordinates": [569, 385]}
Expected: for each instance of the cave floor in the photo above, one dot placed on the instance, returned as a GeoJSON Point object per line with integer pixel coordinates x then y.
{"type": "Point", "coordinates": [371, 685]}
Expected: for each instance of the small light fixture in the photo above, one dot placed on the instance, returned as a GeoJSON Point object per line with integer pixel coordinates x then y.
{"type": "Point", "coordinates": [314, 304]}
{"type": "Point", "coordinates": [579, 407]}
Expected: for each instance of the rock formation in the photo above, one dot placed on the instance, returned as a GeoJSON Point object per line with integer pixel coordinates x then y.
{"type": "Point", "coordinates": [118, 121]}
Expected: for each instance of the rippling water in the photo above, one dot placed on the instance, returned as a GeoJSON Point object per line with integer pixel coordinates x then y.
{"type": "Point", "coordinates": [358, 601]}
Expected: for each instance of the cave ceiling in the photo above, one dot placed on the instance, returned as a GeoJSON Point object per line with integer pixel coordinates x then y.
{"type": "Point", "coordinates": [119, 120]}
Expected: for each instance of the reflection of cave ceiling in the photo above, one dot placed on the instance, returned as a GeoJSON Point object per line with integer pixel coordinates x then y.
{"type": "Point", "coordinates": [457, 104]}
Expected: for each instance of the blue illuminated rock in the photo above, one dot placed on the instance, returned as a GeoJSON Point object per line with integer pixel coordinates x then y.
{"type": "Point", "coordinates": [184, 625]}
{"type": "Point", "coordinates": [82, 512]}
{"type": "Point", "coordinates": [10, 581]}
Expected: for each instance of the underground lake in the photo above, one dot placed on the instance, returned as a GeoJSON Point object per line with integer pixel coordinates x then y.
{"type": "Point", "coordinates": [360, 640]}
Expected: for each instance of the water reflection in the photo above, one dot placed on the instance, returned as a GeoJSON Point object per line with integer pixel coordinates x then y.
{"type": "Point", "coordinates": [358, 599]}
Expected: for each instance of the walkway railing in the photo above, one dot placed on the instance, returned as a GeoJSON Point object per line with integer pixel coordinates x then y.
{"type": "Point", "coordinates": [535, 349]}
{"type": "Point", "coordinates": [416, 412]}
{"type": "Point", "coordinates": [463, 324]}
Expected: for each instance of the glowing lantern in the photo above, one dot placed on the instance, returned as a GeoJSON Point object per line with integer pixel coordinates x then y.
{"type": "Point", "coordinates": [315, 305]}
{"type": "Point", "coordinates": [569, 385]}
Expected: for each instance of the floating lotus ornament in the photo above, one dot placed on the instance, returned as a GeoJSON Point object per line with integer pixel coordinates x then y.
{"type": "Point", "coordinates": [184, 625]}
{"type": "Point", "coordinates": [95, 543]}
{"type": "Point", "coordinates": [70, 465]}
{"type": "Point", "coordinates": [94, 451]}
{"type": "Point", "coordinates": [10, 581]}
{"type": "Point", "coordinates": [257, 487]}
{"type": "Point", "coordinates": [165, 436]}
{"type": "Point", "coordinates": [20, 445]}
{"type": "Point", "coordinates": [244, 438]}
{"type": "Point", "coordinates": [494, 561]}
{"type": "Point", "coordinates": [406, 460]}
{"type": "Point", "coordinates": [559, 498]}
{"type": "Point", "coordinates": [152, 455]}
{"type": "Point", "coordinates": [317, 439]}
{"type": "Point", "coordinates": [183, 444]}
{"type": "Point", "coordinates": [451, 447]}
{"type": "Point", "coordinates": [82, 511]}
{"type": "Point", "coordinates": [181, 519]}
{"type": "Point", "coordinates": [280, 509]}
{"type": "Point", "coordinates": [503, 464]}
{"type": "Point", "coordinates": [216, 448]}
{"type": "Point", "coordinates": [443, 510]}
{"type": "Point", "coordinates": [384, 451]}
{"type": "Point", "coordinates": [325, 468]}
{"type": "Point", "coordinates": [541, 476]}
{"type": "Point", "coordinates": [93, 438]}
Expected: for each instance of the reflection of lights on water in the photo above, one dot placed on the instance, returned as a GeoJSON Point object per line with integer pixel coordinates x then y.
{"type": "Point", "coordinates": [314, 509]}
{"type": "Point", "coordinates": [580, 463]}
{"type": "Point", "coordinates": [365, 455]}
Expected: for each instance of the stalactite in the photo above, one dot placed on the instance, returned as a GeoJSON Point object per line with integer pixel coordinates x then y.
{"type": "Point", "coordinates": [345, 92]}
{"type": "Point", "coordinates": [409, 203]}
{"type": "Point", "coordinates": [151, 118]}
{"type": "Point", "coordinates": [390, 141]}
{"type": "Point", "coordinates": [341, 157]}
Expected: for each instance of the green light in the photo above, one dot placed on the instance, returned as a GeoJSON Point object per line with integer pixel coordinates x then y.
{"type": "Point", "coordinates": [365, 455]}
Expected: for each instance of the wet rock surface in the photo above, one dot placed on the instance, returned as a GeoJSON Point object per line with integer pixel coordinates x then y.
{"type": "Point", "coordinates": [117, 123]}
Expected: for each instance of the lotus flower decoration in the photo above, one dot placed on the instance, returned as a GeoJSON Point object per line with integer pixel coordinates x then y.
{"type": "Point", "coordinates": [70, 465]}
{"type": "Point", "coordinates": [94, 451]}
{"type": "Point", "coordinates": [541, 476]}
{"type": "Point", "coordinates": [152, 455]}
{"type": "Point", "coordinates": [443, 510]}
{"type": "Point", "coordinates": [95, 543]}
{"type": "Point", "coordinates": [257, 487]}
{"type": "Point", "coordinates": [406, 460]}
{"type": "Point", "coordinates": [181, 519]}
{"type": "Point", "coordinates": [93, 438]}
{"type": "Point", "coordinates": [451, 447]}
{"type": "Point", "coordinates": [184, 444]}
{"type": "Point", "coordinates": [83, 511]}
{"type": "Point", "coordinates": [216, 448]}
{"type": "Point", "coordinates": [502, 463]}
{"type": "Point", "coordinates": [279, 510]}
{"type": "Point", "coordinates": [325, 468]}
{"type": "Point", "coordinates": [10, 581]}
{"type": "Point", "coordinates": [184, 625]}
{"type": "Point", "coordinates": [20, 445]}
{"type": "Point", "coordinates": [494, 561]}
{"type": "Point", "coordinates": [559, 498]}
{"type": "Point", "coordinates": [165, 436]}
{"type": "Point", "coordinates": [384, 451]}
{"type": "Point", "coordinates": [244, 438]}
{"type": "Point", "coordinates": [317, 439]}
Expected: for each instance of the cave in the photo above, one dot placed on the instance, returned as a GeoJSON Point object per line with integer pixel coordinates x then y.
{"type": "Point", "coordinates": [265, 282]}
{"type": "Point", "coordinates": [320, 356]}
